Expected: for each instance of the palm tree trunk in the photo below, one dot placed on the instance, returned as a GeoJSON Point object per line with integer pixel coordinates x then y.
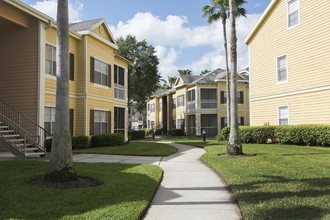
{"type": "Point", "coordinates": [224, 19]}
{"type": "Point", "coordinates": [234, 146]}
{"type": "Point", "coordinates": [60, 165]}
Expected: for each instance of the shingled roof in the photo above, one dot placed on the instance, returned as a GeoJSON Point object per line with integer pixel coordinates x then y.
{"type": "Point", "coordinates": [85, 25]}
{"type": "Point", "coordinates": [189, 78]}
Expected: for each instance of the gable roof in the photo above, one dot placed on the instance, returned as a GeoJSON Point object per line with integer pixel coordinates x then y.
{"type": "Point", "coordinates": [86, 25]}
{"type": "Point", "coordinates": [242, 74]}
{"type": "Point", "coordinates": [261, 21]}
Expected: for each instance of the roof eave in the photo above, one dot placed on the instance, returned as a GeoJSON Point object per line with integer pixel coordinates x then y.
{"type": "Point", "coordinates": [260, 21]}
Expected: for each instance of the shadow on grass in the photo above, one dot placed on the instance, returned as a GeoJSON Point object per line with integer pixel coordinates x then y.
{"type": "Point", "coordinates": [318, 188]}
{"type": "Point", "coordinates": [124, 187]}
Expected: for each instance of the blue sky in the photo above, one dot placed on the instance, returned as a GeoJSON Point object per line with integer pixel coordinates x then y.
{"type": "Point", "coordinates": [176, 28]}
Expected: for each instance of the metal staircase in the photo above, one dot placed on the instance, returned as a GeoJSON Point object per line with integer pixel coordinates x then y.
{"type": "Point", "coordinates": [20, 135]}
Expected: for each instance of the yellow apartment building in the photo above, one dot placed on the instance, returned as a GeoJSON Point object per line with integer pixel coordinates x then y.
{"type": "Point", "coordinates": [197, 103]}
{"type": "Point", "coordinates": [290, 64]}
{"type": "Point", "coordinates": [98, 76]}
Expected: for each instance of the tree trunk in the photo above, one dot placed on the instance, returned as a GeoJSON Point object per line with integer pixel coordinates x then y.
{"type": "Point", "coordinates": [224, 19]}
{"type": "Point", "coordinates": [60, 165]}
{"type": "Point", "coordinates": [234, 146]}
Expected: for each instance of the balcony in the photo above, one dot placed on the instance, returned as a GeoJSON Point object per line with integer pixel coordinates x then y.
{"type": "Point", "coordinates": [208, 103]}
{"type": "Point", "coordinates": [191, 105]}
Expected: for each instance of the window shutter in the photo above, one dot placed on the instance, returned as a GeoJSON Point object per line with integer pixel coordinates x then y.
{"type": "Point", "coordinates": [109, 75]}
{"type": "Point", "coordinates": [91, 126]}
{"type": "Point", "coordinates": [116, 74]}
{"type": "Point", "coordinates": [92, 69]}
{"type": "Point", "coordinates": [241, 98]}
{"type": "Point", "coordinates": [222, 95]}
{"type": "Point", "coordinates": [109, 122]}
{"type": "Point", "coordinates": [72, 66]}
{"type": "Point", "coordinates": [71, 120]}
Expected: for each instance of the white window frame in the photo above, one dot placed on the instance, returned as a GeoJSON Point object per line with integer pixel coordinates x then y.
{"type": "Point", "coordinates": [178, 104]}
{"type": "Point", "coordinates": [287, 69]}
{"type": "Point", "coordinates": [288, 15]}
{"type": "Point", "coordinates": [101, 122]}
{"type": "Point", "coordinates": [278, 113]}
{"type": "Point", "coordinates": [119, 89]}
{"type": "Point", "coordinates": [101, 73]}
{"type": "Point", "coordinates": [52, 118]}
{"type": "Point", "coordinates": [53, 60]}
{"type": "Point", "coordinates": [152, 108]}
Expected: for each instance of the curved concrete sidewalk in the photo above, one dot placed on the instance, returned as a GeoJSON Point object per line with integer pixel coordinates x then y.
{"type": "Point", "coordinates": [190, 190]}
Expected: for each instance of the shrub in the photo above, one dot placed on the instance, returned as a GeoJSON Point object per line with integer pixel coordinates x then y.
{"type": "Point", "coordinates": [176, 132]}
{"type": "Point", "coordinates": [78, 142]}
{"type": "Point", "coordinates": [136, 135]}
{"type": "Point", "coordinates": [159, 131]}
{"type": "Point", "coordinates": [102, 140]}
{"type": "Point", "coordinates": [148, 131]}
{"type": "Point", "coordinates": [311, 135]}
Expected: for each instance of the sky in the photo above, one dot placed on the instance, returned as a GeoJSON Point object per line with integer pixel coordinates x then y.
{"type": "Point", "coordinates": [180, 35]}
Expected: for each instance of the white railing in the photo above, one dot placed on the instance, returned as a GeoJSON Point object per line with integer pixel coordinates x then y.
{"type": "Point", "coordinates": [192, 105]}
{"type": "Point", "coordinates": [208, 103]}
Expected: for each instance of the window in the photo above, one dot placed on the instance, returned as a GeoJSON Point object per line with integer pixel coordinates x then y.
{"type": "Point", "coordinates": [100, 72]}
{"type": "Point", "coordinates": [49, 119]}
{"type": "Point", "coordinates": [119, 118]}
{"type": "Point", "coordinates": [282, 71]}
{"type": "Point", "coordinates": [152, 108]}
{"type": "Point", "coordinates": [160, 106]}
{"type": "Point", "coordinates": [293, 13]}
{"type": "Point", "coordinates": [50, 60]}
{"type": "Point", "coordinates": [224, 122]}
{"type": "Point", "coordinates": [191, 99]}
{"type": "Point", "coordinates": [223, 97]}
{"type": "Point", "coordinates": [174, 103]}
{"type": "Point", "coordinates": [180, 101]}
{"type": "Point", "coordinates": [181, 123]}
{"type": "Point", "coordinates": [119, 82]}
{"type": "Point", "coordinates": [101, 119]}
{"type": "Point", "coordinates": [208, 98]}
{"type": "Point", "coordinates": [241, 121]}
{"type": "Point", "coordinates": [240, 97]}
{"type": "Point", "coordinates": [209, 124]}
{"type": "Point", "coordinates": [283, 115]}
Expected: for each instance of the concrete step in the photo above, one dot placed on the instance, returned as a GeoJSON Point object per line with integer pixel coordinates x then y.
{"type": "Point", "coordinates": [6, 131]}
{"type": "Point", "coordinates": [15, 140]}
{"type": "Point", "coordinates": [4, 127]}
{"type": "Point", "coordinates": [34, 155]}
{"type": "Point", "coordinates": [11, 135]}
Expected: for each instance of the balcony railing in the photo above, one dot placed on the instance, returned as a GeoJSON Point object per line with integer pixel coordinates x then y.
{"type": "Point", "coordinates": [192, 105]}
{"type": "Point", "coordinates": [208, 103]}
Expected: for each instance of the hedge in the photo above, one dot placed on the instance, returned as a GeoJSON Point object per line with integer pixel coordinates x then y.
{"type": "Point", "coordinates": [148, 131]}
{"type": "Point", "coordinates": [159, 131]}
{"type": "Point", "coordinates": [176, 132]}
{"type": "Point", "coordinates": [311, 135]}
{"type": "Point", "coordinates": [102, 140]}
{"type": "Point", "coordinates": [78, 142]}
{"type": "Point", "coordinates": [136, 135]}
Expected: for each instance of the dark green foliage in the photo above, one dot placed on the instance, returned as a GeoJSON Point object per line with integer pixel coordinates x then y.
{"type": "Point", "coordinates": [159, 131]}
{"type": "Point", "coordinates": [176, 132]}
{"type": "Point", "coordinates": [145, 69]}
{"type": "Point", "coordinates": [224, 133]}
{"type": "Point", "coordinates": [102, 140]}
{"type": "Point", "coordinates": [312, 135]}
{"type": "Point", "coordinates": [136, 135]}
{"type": "Point", "coordinates": [78, 142]}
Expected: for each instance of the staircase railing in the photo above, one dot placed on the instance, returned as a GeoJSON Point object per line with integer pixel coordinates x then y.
{"type": "Point", "coordinates": [22, 125]}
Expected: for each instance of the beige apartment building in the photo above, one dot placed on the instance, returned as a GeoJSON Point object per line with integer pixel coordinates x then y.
{"type": "Point", "coordinates": [290, 64]}
{"type": "Point", "coordinates": [197, 103]}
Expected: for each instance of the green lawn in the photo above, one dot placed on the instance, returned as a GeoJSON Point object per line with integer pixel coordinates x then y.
{"type": "Point", "coordinates": [135, 148]}
{"type": "Point", "coordinates": [190, 140]}
{"type": "Point", "coordinates": [280, 182]}
{"type": "Point", "coordinates": [125, 193]}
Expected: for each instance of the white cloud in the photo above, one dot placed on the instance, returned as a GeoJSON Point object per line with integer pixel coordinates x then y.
{"type": "Point", "coordinates": [171, 35]}
{"type": "Point", "coordinates": [49, 7]}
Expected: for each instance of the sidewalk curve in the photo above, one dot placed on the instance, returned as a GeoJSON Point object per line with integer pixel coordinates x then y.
{"type": "Point", "coordinates": [190, 190]}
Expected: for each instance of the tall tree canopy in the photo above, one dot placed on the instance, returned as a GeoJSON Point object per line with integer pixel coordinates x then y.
{"type": "Point", "coordinates": [185, 72]}
{"type": "Point", "coordinates": [219, 9]}
{"type": "Point", "coordinates": [143, 76]}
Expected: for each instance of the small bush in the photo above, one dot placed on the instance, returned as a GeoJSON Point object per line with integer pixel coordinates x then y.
{"type": "Point", "coordinates": [159, 131]}
{"type": "Point", "coordinates": [224, 133]}
{"type": "Point", "coordinates": [148, 131]}
{"type": "Point", "coordinates": [102, 140]}
{"type": "Point", "coordinates": [176, 132]}
{"type": "Point", "coordinates": [78, 142]}
{"type": "Point", "coordinates": [136, 135]}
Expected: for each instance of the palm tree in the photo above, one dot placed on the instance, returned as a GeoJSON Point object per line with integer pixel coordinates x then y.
{"type": "Point", "coordinates": [60, 165]}
{"type": "Point", "coordinates": [171, 80]}
{"type": "Point", "coordinates": [218, 10]}
{"type": "Point", "coordinates": [185, 72]}
{"type": "Point", "coordinates": [234, 146]}
{"type": "Point", "coordinates": [204, 72]}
